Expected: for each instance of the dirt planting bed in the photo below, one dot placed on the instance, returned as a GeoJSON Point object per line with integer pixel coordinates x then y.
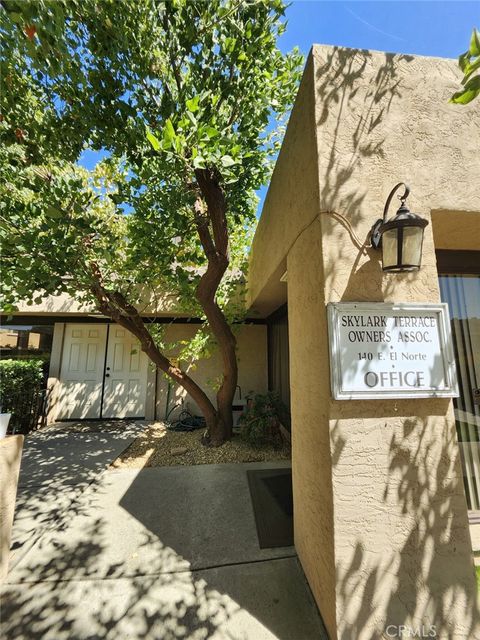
{"type": "Point", "coordinates": [159, 447]}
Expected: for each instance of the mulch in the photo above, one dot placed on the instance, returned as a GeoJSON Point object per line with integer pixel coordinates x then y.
{"type": "Point", "coordinates": [159, 447]}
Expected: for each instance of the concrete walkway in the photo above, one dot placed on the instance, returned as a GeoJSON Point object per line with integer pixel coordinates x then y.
{"type": "Point", "coordinates": [157, 553]}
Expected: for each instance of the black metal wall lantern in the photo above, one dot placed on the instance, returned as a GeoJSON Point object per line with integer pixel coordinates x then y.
{"type": "Point", "coordinates": [401, 238]}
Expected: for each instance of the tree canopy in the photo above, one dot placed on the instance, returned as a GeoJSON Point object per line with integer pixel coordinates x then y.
{"type": "Point", "coordinates": [186, 101]}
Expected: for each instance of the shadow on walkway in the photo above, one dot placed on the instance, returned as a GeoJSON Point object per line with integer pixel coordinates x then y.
{"type": "Point", "coordinates": [158, 553]}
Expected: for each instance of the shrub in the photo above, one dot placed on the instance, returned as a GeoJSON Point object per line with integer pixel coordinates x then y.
{"type": "Point", "coordinates": [260, 422]}
{"type": "Point", "coordinates": [20, 392]}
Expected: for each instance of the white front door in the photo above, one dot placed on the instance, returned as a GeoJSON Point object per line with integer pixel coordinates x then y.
{"type": "Point", "coordinates": [125, 376]}
{"type": "Point", "coordinates": [103, 374]}
{"type": "Point", "coordinates": [81, 376]}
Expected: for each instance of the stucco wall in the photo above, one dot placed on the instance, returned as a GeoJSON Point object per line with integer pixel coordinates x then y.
{"type": "Point", "coordinates": [252, 367]}
{"type": "Point", "coordinates": [309, 398]}
{"type": "Point", "coordinates": [290, 205]}
{"type": "Point", "coordinates": [380, 512]}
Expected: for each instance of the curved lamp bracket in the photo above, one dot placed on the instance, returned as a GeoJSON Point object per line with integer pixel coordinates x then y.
{"type": "Point", "coordinates": [401, 198]}
{"type": "Point", "coordinates": [375, 234]}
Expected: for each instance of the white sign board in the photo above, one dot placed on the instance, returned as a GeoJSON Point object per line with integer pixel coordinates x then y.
{"type": "Point", "coordinates": [380, 350]}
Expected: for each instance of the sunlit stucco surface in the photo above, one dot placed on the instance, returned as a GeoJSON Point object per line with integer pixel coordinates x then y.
{"type": "Point", "coordinates": [380, 513]}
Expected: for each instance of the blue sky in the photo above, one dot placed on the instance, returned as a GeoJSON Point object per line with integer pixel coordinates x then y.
{"type": "Point", "coordinates": [429, 28]}
{"type": "Point", "coordinates": [424, 28]}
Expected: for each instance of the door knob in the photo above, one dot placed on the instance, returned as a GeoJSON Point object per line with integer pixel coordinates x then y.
{"type": "Point", "coordinates": [107, 375]}
{"type": "Point", "coordinates": [476, 396]}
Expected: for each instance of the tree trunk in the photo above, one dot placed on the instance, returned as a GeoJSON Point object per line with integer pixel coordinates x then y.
{"type": "Point", "coordinates": [227, 346]}
{"type": "Point", "coordinates": [215, 433]}
{"type": "Point", "coordinates": [217, 252]}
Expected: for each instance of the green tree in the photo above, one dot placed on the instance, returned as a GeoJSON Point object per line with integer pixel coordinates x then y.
{"type": "Point", "coordinates": [469, 63]}
{"type": "Point", "coordinates": [187, 99]}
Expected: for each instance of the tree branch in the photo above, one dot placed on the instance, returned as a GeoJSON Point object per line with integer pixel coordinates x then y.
{"type": "Point", "coordinates": [114, 305]}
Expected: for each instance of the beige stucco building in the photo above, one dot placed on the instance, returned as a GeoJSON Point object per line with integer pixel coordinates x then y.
{"type": "Point", "coordinates": [383, 489]}
{"type": "Point", "coordinates": [379, 502]}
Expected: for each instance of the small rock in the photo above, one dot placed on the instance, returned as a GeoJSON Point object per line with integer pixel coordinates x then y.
{"type": "Point", "coordinates": [178, 451]}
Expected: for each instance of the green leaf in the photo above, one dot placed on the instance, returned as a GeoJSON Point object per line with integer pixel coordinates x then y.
{"type": "Point", "coordinates": [192, 118]}
{"type": "Point", "coordinates": [199, 162]}
{"type": "Point", "coordinates": [469, 92]}
{"type": "Point", "coordinates": [471, 68]}
{"type": "Point", "coordinates": [227, 161]}
{"type": "Point", "coordinates": [178, 142]}
{"type": "Point", "coordinates": [168, 134]}
{"type": "Point", "coordinates": [229, 44]}
{"type": "Point", "coordinates": [212, 132]}
{"type": "Point", "coordinates": [24, 261]}
{"type": "Point", "coordinates": [474, 49]}
{"type": "Point", "coordinates": [154, 141]}
{"type": "Point", "coordinates": [192, 104]}
{"type": "Point", "coordinates": [116, 198]}
{"type": "Point", "coordinates": [53, 212]}
{"type": "Point", "coordinates": [16, 17]}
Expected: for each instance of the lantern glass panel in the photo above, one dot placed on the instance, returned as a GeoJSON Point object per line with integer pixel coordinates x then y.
{"type": "Point", "coordinates": [412, 246]}
{"type": "Point", "coordinates": [389, 248]}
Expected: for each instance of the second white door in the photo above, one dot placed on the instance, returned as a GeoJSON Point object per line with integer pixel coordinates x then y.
{"type": "Point", "coordinates": [125, 384]}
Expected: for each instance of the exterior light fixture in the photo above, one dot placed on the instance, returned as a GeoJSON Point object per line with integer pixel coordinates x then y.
{"type": "Point", "coordinates": [401, 238]}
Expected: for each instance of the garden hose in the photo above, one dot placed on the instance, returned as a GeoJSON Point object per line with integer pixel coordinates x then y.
{"type": "Point", "coordinates": [187, 422]}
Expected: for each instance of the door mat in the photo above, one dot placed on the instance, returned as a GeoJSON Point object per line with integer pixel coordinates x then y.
{"type": "Point", "coordinates": [272, 500]}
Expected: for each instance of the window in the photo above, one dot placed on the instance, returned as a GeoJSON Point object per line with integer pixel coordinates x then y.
{"type": "Point", "coordinates": [460, 288]}
{"type": "Point", "coordinates": [26, 341]}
